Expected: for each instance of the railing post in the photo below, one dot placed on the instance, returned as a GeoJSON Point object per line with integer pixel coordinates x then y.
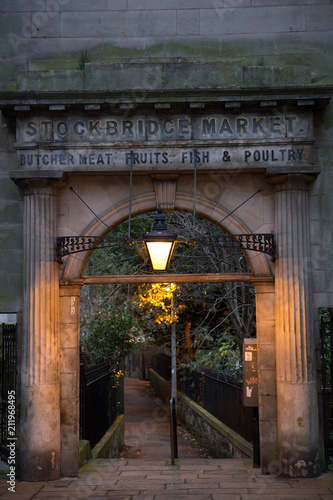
{"type": "Point", "coordinates": [256, 444]}
{"type": "Point", "coordinates": [8, 385]}
{"type": "Point", "coordinates": [173, 431]}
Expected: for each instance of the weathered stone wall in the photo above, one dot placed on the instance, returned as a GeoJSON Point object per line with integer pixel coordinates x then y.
{"type": "Point", "coordinates": [61, 45]}
{"type": "Point", "coordinates": [11, 228]}
{"type": "Point", "coordinates": [111, 54]}
{"type": "Point", "coordinates": [63, 35]}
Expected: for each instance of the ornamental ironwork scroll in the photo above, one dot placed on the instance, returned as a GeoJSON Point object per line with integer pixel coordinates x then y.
{"type": "Point", "coordinates": [263, 243]}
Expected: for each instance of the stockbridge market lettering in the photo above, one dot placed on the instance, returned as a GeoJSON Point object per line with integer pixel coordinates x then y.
{"type": "Point", "coordinates": [161, 141]}
{"type": "Point", "coordinates": [175, 158]}
{"type": "Point", "coordinates": [170, 127]}
{"type": "Point", "coordinates": [165, 128]}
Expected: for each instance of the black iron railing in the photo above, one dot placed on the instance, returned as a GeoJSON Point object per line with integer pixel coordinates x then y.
{"type": "Point", "coordinates": [326, 334]}
{"type": "Point", "coordinates": [161, 364]}
{"type": "Point", "coordinates": [219, 394]}
{"type": "Point", "coordinates": [8, 378]}
{"type": "Point", "coordinates": [220, 397]}
{"type": "Point", "coordinates": [98, 402]}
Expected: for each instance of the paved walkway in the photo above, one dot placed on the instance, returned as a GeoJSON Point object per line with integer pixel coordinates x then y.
{"type": "Point", "coordinates": [147, 426]}
{"type": "Point", "coordinates": [150, 478]}
{"type": "Point", "coordinates": [194, 478]}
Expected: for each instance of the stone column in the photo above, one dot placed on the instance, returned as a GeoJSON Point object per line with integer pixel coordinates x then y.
{"type": "Point", "coordinates": [265, 313]}
{"type": "Point", "coordinates": [70, 378]}
{"type": "Point", "coordinates": [40, 389]}
{"type": "Point", "coordinates": [297, 399]}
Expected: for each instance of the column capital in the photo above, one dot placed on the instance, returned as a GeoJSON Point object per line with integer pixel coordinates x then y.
{"type": "Point", "coordinates": [70, 289]}
{"type": "Point", "coordinates": [283, 182]}
{"type": "Point", "coordinates": [38, 179]}
{"type": "Point", "coordinates": [263, 286]}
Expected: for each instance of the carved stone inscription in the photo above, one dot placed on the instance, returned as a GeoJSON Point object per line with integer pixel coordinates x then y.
{"type": "Point", "coordinates": [157, 142]}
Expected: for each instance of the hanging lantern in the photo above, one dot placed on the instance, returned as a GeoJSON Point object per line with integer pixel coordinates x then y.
{"type": "Point", "coordinates": [159, 243]}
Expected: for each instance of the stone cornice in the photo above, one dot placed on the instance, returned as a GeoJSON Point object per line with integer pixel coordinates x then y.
{"type": "Point", "coordinates": [317, 96]}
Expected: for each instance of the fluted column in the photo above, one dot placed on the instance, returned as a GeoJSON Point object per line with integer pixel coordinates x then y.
{"type": "Point", "coordinates": [297, 405]}
{"type": "Point", "coordinates": [40, 389]}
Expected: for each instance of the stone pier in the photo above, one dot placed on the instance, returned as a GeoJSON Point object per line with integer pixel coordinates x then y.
{"type": "Point", "coordinates": [297, 399]}
{"type": "Point", "coordinates": [40, 390]}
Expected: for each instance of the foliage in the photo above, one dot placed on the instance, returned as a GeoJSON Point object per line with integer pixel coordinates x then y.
{"type": "Point", "coordinates": [158, 299]}
{"type": "Point", "coordinates": [217, 353]}
{"type": "Point", "coordinates": [83, 59]}
{"type": "Point", "coordinates": [109, 335]}
{"type": "Point", "coordinates": [326, 320]}
{"type": "Point", "coordinates": [213, 317]}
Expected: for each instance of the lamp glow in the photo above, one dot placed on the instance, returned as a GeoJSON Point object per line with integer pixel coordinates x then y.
{"type": "Point", "coordinates": [159, 243]}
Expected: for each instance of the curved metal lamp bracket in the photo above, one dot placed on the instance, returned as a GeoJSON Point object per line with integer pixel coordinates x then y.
{"type": "Point", "coordinates": [264, 243]}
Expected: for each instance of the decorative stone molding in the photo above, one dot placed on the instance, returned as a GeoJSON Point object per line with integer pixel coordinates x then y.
{"type": "Point", "coordinates": [165, 191]}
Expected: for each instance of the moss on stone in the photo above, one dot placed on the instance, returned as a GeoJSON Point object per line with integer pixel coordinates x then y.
{"type": "Point", "coordinates": [194, 50]}
{"type": "Point", "coordinates": [51, 80]}
{"type": "Point", "coordinates": [110, 52]}
{"type": "Point", "coordinates": [11, 213]}
{"type": "Point", "coordinates": [8, 74]}
{"type": "Point", "coordinates": [294, 63]}
{"type": "Point", "coordinates": [258, 76]}
{"type": "Point", "coordinates": [327, 155]}
{"type": "Point", "coordinates": [327, 117]}
{"type": "Point", "coordinates": [319, 65]}
{"type": "Point", "coordinates": [8, 190]}
{"type": "Point", "coordinates": [58, 64]}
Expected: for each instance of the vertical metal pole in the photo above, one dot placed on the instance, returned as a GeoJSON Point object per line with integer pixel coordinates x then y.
{"type": "Point", "coordinates": [130, 198]}
{"type": "Point", "coordinates": [256, 443]}
{"type": "Point", "coordinates": [173, 431]}
{"type": "Point", "coordinates": [194, 190]}
{"type": "Point", "coordinates": [173, 355]}
{"type": "Point", "coordinates": [173, 401]}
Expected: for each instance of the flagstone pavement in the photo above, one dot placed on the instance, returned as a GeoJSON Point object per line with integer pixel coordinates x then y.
{"type": "Point", "coordinates": [149, 476]}
{"type": "Point", "coordinates": [193, 478]}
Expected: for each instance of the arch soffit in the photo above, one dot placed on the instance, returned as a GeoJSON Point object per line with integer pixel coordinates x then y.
{"type": "Point", "coordinates": [74, 265]}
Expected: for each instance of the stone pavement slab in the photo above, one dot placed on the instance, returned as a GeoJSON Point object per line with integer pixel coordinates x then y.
{"type": "Point", "coordinates": [196, 479]}
{"type": "Point", "coordinates": [147, 426]}
{"type": "Point", "coordinates": [148, 475]}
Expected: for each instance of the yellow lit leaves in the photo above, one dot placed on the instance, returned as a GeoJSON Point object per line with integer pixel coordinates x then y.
{"type": "Point", "coordinates": [158, 298]}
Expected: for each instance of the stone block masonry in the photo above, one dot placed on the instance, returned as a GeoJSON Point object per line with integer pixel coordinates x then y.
{"type": "Point", "coordinates": [117, 57]}
{"type": "Point", "coordinates": [126, 29]}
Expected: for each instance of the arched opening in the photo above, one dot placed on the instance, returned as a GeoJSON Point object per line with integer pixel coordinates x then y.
{"type": "Point", "coordinates": [75, 264]}
{"type": "Point", "coordinates": [72, 279]}
{"type": "Point", "coordinates": [206, 270]}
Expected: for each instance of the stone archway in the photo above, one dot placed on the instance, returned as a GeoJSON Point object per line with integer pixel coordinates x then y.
{"type": "Point", "coordinates": [288, 404]}
{"type": "Point", "coordinates": [75, 264]}
{"type": "Point", "coordinates": [70, 287]}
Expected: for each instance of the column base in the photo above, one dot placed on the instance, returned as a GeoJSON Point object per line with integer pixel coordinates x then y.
{"type": "Point", "coordinates": [296, 464]}
{"type": "Point", "coordinates": [40, 433]}
{"type": "Point", "coordinates": [298, 429]}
